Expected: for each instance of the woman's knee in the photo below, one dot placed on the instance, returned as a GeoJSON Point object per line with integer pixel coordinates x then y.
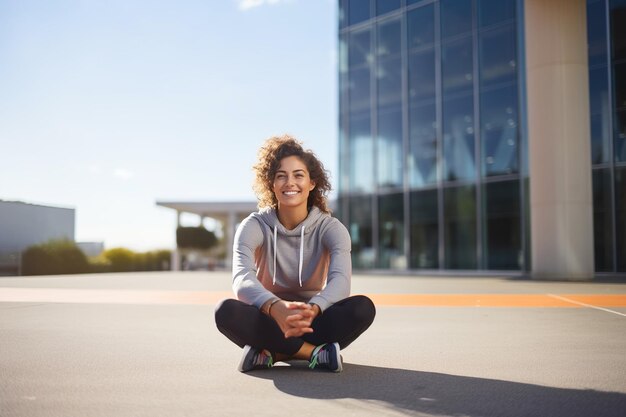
{"type": "Point", "coordinates": [365, 310]}
{"type": "Point", "coordinates": [225, 311]}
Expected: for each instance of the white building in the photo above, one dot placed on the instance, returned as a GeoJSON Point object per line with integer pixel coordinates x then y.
{"type": "Point", "coordinates": [228, 214]}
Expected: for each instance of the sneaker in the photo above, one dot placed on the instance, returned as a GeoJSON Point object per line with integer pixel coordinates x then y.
{"type": "Point", "coordinates": [255, 359]}
{"type": "Point", "coordinates": [326, 356]}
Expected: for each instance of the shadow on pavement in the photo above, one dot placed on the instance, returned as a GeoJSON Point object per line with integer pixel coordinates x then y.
{"type": "Point", "coordinates": [442, 394]}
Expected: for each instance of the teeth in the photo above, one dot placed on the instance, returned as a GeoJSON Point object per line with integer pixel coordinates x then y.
{"type": "Point", "coordinates": [290, 192]}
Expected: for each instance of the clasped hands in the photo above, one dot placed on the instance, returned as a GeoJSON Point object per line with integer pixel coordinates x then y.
{"type": "Point", "coordinates": [293, 317]}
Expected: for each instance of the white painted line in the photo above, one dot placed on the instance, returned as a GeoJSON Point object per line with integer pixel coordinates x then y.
{"type": "Point", "coordinates": [586, 305]}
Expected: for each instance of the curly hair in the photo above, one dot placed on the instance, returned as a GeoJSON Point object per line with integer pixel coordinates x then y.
{"type": "Point", "coordinates": [269, 156]}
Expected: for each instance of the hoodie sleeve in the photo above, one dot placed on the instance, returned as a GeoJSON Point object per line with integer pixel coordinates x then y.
{"type": "Point", "coordinates": [337, 241]}
{"type": "Point", "coordinates": [247, 288]}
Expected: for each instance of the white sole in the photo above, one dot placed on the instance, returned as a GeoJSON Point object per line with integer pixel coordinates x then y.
{"type": "Point", "coordinates": [339, 361]}
{"type": "Point", "coordinates": [246, 349]}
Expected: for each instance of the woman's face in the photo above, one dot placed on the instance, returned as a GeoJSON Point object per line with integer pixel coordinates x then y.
{"type": "Point", "coordinates": [292, 183]}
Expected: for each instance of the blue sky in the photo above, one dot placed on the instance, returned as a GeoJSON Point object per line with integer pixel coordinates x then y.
{"type": "Point", "coordinates": [109, 106]}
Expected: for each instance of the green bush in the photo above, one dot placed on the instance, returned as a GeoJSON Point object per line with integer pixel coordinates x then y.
{"type": "Point", "coordinates": [64, 257]}
{"type": "Point", "coordinates": [125, 260]}
{"type": "Point", "coordinates": [53, 258]}
{"type": "Point", "coordinates": [195, 238]}
{"type": "Point", "coordinates": [120, 259]}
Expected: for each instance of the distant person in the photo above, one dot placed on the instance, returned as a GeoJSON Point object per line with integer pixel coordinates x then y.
{"type": "Point", "coordinates": [292, 269]}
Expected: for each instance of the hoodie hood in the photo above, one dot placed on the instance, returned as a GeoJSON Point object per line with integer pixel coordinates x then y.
{"type": "Point", "coordinates": [268, 217]}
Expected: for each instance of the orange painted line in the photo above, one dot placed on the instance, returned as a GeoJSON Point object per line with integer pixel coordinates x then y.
{"type": "Point", "coordinates": [106, 296]}
{"type": "Point", "coordinates": [599, 300]}
{"type": "Point", "coordinates": [469, 300]}
{"type": "Point", "coordinates": [90, 296]}
{"type": "Point", "coordinates": [496, 300]}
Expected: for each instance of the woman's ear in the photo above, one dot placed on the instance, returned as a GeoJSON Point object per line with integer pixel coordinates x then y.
{"type": "Point", "coordinates": [312, 186]}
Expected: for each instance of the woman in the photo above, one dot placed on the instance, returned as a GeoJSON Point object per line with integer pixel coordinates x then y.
{"type": "Point", "coordinates": [292, 269]}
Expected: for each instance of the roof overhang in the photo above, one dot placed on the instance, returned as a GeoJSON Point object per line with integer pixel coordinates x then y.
{"type": "Point", "coordinates": [211, 209]}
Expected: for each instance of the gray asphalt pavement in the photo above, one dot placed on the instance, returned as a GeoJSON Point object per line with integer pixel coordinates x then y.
{"type": "Point", "coordinates": [118, 347]}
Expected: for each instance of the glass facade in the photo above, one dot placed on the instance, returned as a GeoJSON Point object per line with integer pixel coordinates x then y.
{"type": "Point", "coordinates": [433, 155]}
{"type": "Point", "coordinates": [606, 33]}
{"type": "Point", "coordinates": [430, 142]}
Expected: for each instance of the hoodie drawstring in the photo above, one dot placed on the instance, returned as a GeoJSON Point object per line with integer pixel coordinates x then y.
{"type": "Point", "coordinates": [275, 250]}
{"type": "Point", "coordinates": [300, 262]}
{"type": "Point", "coordinates": [301, 256]}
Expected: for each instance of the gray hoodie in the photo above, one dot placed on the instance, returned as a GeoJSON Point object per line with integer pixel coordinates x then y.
{"type": "Point", "coordinates": [310, 263]}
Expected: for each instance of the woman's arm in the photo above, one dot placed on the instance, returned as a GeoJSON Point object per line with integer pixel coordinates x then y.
{"type": "Point", "coordinates": [247, 288]}
{"type": "Point", "coordinates": [337, 240]}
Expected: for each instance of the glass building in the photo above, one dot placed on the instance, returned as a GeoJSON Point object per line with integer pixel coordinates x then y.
{"type": "Point", "coordinates": [438, 156]}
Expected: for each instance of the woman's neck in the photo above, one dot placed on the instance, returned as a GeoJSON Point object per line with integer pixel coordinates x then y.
{"type": "Point", "coordinates": [290, 217]}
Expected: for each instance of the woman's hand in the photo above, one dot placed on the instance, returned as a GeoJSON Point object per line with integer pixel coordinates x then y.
{"type": "Point", "coordinates": [293, 317]}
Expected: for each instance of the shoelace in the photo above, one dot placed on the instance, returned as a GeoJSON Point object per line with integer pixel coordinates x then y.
{"type": "Point", "coordinates": [263, 359]}
{"type": "Point", "coordinates": [319, 356]}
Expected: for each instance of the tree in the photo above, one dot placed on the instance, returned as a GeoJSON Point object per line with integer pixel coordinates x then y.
{"type": "Point", "coordinates": [195, 238]}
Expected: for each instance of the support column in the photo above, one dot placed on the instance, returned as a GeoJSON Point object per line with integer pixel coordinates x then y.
{"type": "Point", "coordinates": [561, 207]}
{"type": "Point", "coordinates": [175, 252]}
{"type": "Point", "coordinates": [231, 223]}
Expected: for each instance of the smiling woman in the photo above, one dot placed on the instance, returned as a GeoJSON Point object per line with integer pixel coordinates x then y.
{"type": "Point", "coordinates": [270, 158]}
{"type": "Point", "coordinates": [292, 268]}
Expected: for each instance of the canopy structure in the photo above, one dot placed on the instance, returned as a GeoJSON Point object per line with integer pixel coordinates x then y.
{"type": "Point", "coordinates": [228, 213]}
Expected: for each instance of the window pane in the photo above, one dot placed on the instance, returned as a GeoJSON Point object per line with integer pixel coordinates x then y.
{"type": "Point", "coordinates": [422, 75]}
{"type": "Point", "coordinates": [456, 17]}
{"type": "Point", "coordinates": [599, 109]}
{"type": "Point", "coordinates": [460, 227]}
{"type": "Point", "coordinates": [498, 56]}
{"type": "Point", "coordinates": [602, 220]}
{"type": "Point", "coordinates": [499, 131]}
{"type": "Point", "coordinates": [359, 11]}
{"type": "Point", "coordinates": [619, 80]}
{"type": "Point", "coordinates": [424, 230]}
{"type": "Point", "coordinates": [422, 160]}
{"type": "Point", "coordinates": [385, 6]}
{"type": "Point", "coordinates": [620, 216]}
{"type": "Point", "coordinates": [620, 135]}
{"type": "Point", "coordinates": [457, 66]}
{"type": "Point", "coordinates": [391, 232]}
{"type": "Point", "coordinates": [341, 211]}
{"type": "Point", "coordinates": [527, 231]}
{"type": "Point", "coordinates": [344, 167]}
{"type": "Point", "coordinates": [389, 148]}
{"type": "Point", "coordinates": [388, 38]}
{"type": "Point", "coordinates": [458, 138]}
{"type": "Point", "coordinates": [343, 10]}
{"type": "Point", "coordinates": [598, 90]}
{"type": "Point", "coordinates": [421, 27]}
{"type": "Point", "coordinates": [359, 44]}
{"type": "Point", "coordinates": [360, 228]}
{"type": "Point", "coordinates": [389, 82]}
{"type": "Point", "coordinates": [359, 89]}
{"type": "Point", "coordinates": [495, 11]}
{"type": "Point", "coordinates": [503, 226]}
{"type": "Point", "coordinates": [342, 55]}
{"type": "Point", "coordinates": [618, 28]}
{"type": "Point", "coordinates": [596, 33]}
{"type": "Point", "coordinates": [361, 154]}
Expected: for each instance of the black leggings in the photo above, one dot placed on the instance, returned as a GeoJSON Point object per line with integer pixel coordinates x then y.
{"type": "Point", "coordinates": [342, 322]}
